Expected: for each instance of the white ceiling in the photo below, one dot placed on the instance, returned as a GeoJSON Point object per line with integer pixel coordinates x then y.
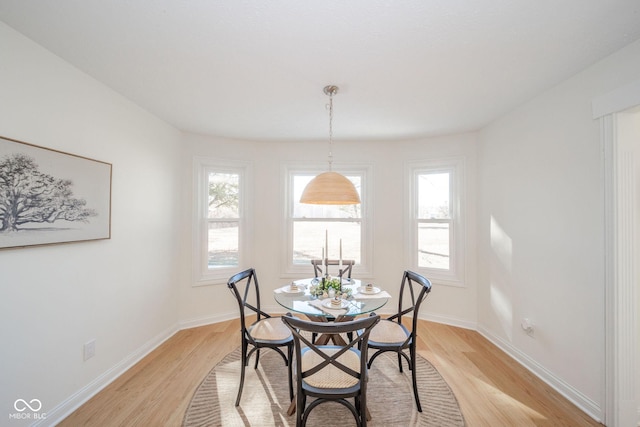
{"type": "Point", "coordinates": [255, 69]}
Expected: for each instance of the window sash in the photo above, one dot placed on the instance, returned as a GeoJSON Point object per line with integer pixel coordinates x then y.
{"type": "Point", "coordinates": [309, 238]}
{"type": "Point", "coordinates": [434, 254]}
{"type": "Point", "coordinates": [224, 246]}
{"type": "Point", "coordinates": [426, 209]}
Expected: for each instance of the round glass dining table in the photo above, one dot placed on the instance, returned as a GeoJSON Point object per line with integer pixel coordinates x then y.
{"type": "Point", "coordinates": [303, 302]}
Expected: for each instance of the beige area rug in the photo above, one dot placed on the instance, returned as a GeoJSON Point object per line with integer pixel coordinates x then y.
{"type": "Point", "coordinates": [265, 398]}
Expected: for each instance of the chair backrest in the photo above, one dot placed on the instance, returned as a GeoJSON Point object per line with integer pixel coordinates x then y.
{"type": "Point", "coordinates": [414, 289]}
{"type": "Point", "coordinates": [347, 266]}
{"type": "Point", "coordinates": [328, 355]}
{"type": "Point", "coordinates": [241, 286]}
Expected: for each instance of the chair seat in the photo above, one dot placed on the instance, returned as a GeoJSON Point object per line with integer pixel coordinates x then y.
{"type": "Point", "coordinates": [270, 329]}
{"type": "Point", "coordinates": [331, 377]}
{"type": "Point", "coordinates": [388, 332]}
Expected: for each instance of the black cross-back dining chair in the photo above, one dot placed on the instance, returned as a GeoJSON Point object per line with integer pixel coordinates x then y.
{"type": "Point", "coordinates": [265, 332]}
{"type": "Point", "coordinates": [347, 267]}
{"type": "Point", "coordinates": [391, 335]}
{"type": "Point", "coordinates": [329, 372]}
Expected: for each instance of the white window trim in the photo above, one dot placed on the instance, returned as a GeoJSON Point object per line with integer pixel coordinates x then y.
{"type": "Point", "coordinates": [456, 275]}
{"type": "Point", "coordinates": [201, 275]}
{"type": "Point", "coordinates": [364, 269]}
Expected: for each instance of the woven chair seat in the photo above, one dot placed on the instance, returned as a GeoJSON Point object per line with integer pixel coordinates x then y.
{"type": "Point", "coordinates": [388, 332]}
{"type": "Point", "coordinates": [331, 376]}
{"type": "Point", "coordinates": [270, 329]}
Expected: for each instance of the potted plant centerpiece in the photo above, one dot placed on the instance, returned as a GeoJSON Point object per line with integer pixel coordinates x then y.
{"type": "Point", "coordinates": [328, 286]}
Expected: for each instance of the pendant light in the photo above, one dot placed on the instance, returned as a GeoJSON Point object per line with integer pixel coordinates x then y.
{"type": "Point", "coordinates": [330, 188]}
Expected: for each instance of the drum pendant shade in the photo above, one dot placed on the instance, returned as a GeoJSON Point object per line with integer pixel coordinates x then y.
{"type": "Point", "coordinates": [330, 188]}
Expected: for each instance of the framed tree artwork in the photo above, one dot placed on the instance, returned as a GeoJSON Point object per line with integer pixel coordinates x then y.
{"type": "Point", "coordinates": [48, 196]}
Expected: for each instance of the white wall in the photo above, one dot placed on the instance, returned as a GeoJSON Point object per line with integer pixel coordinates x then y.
{"type": "Point", "coordinates": [121, 292]}
{"type": "Point", "coordinates": [450, 304]}
{"type": "Point", "coordinates": [541, 231]}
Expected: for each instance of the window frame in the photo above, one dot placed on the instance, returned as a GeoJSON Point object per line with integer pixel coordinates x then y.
{"type": "Point", "coordinates": [291, 270]}
{"type": "Point", "coordinates": [202, 275]}
{"type": "Point", "coordinates": [455, 275]}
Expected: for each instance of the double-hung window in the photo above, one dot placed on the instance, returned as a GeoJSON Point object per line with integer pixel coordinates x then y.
{"type": "Point", "coordinates": [314, 229]}
{"type": "Point", "coordinates": [436, 226]}
{"type": "Point", "coordinates": [221, 226]}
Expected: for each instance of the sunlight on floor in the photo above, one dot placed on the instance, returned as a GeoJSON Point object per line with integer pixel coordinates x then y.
{"type": "Point", "coordinates": [503, 398]}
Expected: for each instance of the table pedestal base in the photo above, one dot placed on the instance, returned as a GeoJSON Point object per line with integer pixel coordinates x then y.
{"type": "Point", "coordinates": [335, 338]}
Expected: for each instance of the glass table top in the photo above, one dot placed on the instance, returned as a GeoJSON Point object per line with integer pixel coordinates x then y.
{"type": "Point", "coordinates": [303, 302]}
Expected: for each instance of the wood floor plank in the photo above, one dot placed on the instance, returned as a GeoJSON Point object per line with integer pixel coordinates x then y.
{"type": "Point", "coordinates": [492, 389]}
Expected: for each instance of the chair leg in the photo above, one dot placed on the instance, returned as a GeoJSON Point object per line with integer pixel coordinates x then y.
{"type": "Point", "coordinates": [242, 368]}
{"type": "Point", "coordinates": [300, 403]}
{"type": "Point", "coordinates": [372, 358]}
{"type": "Point", "coordinates": [290, 368]}
{"type": "Point", "coordinates": [414, 379]}
{"type": "Point", "coordinates": [399, 361]}
{"type": "Point", "coordinates": [257, 359]}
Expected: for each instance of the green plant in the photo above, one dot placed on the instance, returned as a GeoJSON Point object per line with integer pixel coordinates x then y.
{"type": "Point", "coordinates": [332, 284]}
{"type": "Point", "coordinates": [325, 285]}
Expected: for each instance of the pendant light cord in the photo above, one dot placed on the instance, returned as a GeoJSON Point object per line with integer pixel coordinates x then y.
{"type": "Point", "coordinates": [330, 130]}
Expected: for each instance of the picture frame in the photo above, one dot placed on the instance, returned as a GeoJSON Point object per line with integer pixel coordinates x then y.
{"type": "Point", "coordinates": [51, 197]}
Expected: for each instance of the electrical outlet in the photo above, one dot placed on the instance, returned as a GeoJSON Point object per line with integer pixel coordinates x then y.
{"type": "Point", "coordinates": [527, 326]}
{"type": "Point", "coordinates": [89, 349]}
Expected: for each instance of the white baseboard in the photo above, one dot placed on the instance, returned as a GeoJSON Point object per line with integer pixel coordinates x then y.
{"type": "Point", "coordinates": [73, 402]}
{"type": "Point", "coordinates": [452, 321]}
{"type": "Point", "coordinates": [207, 320]}
{"type": "Point", "coordinates": [587, 405]}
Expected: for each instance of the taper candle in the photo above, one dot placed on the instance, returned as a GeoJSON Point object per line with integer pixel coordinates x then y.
{"type": "Point", "coordinates": [326, 243]}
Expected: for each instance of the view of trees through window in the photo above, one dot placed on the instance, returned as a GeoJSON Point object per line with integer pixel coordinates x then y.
{"type": "Point", "coordinates": [312, 223]}
{"type": "Point", "coordinates": [223, 217]}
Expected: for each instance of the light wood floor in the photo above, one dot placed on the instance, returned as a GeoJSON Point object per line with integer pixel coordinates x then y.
{"type": "Point", "coordinates": [492, 389]}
